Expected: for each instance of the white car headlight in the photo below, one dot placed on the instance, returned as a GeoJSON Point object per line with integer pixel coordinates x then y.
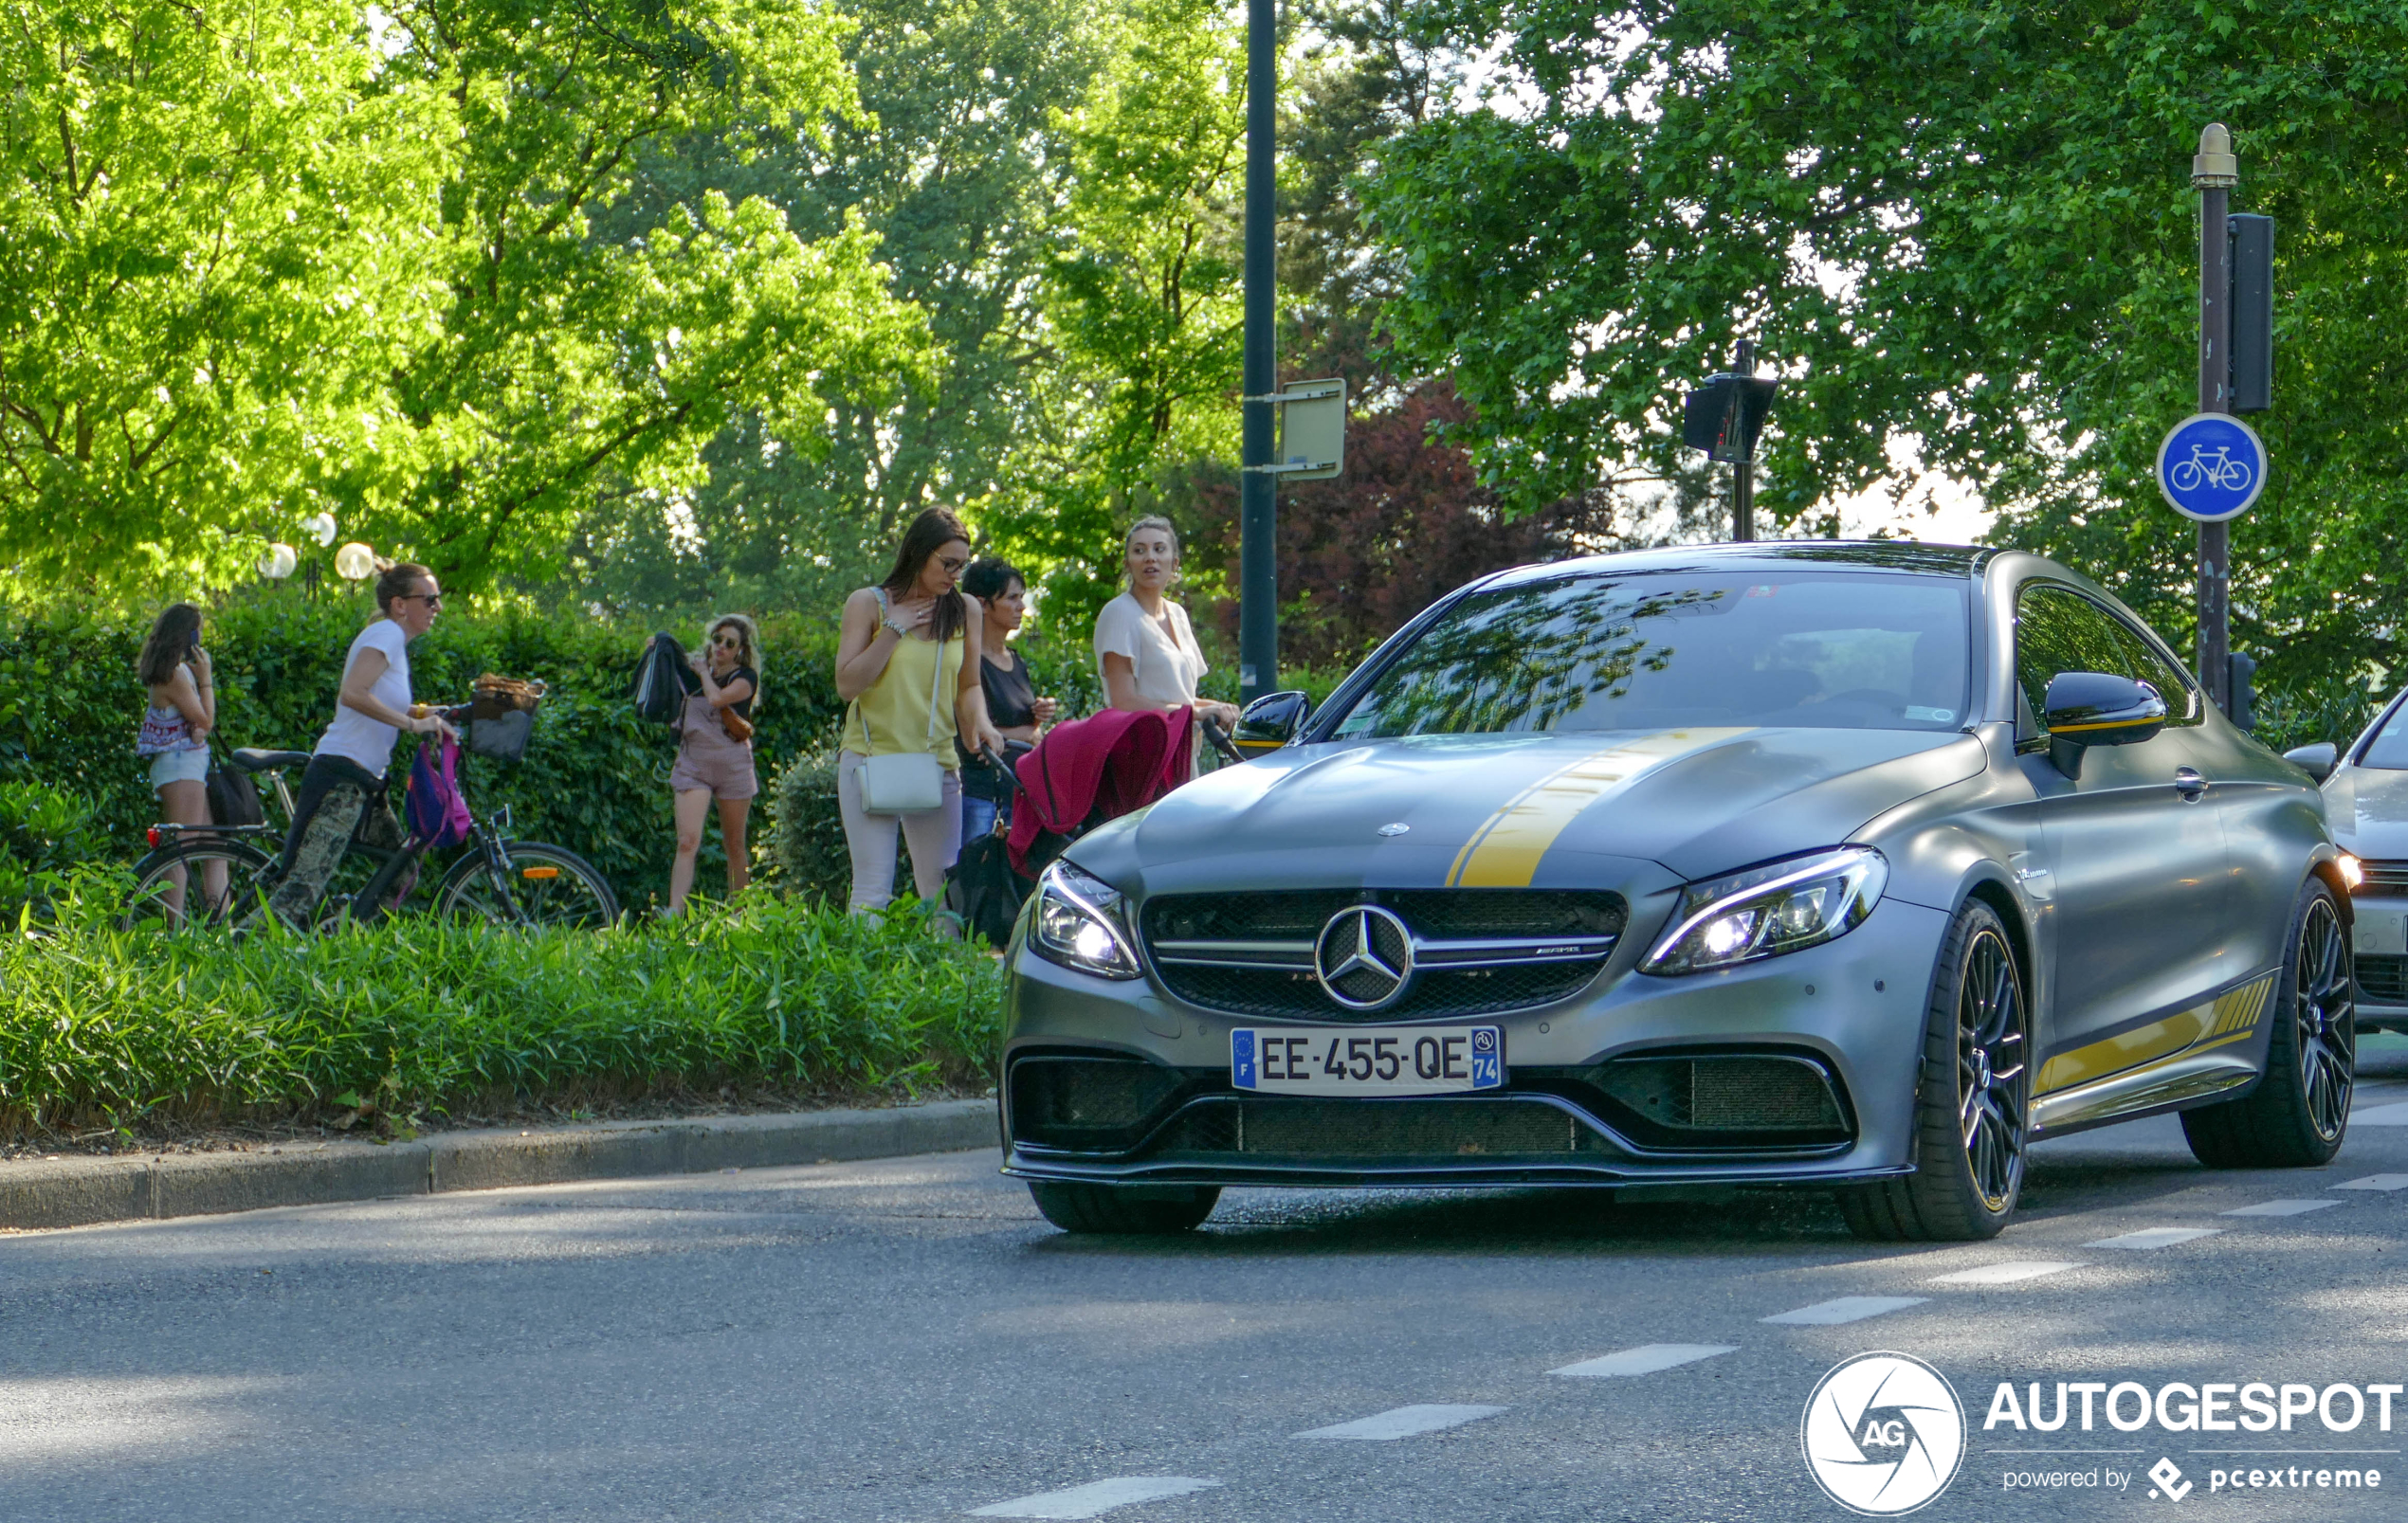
{"type": "Point", "coordinates": [1079, 924]}
{"type": "Point", "coordinates": [1766, 910]}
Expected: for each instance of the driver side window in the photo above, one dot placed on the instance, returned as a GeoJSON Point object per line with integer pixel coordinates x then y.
{"type": "Point", "coordinates": [2056, 630]}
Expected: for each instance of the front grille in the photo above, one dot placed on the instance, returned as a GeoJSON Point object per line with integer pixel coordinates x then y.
{"type": "Point", "coordinates": [1477, 951]}
{"type": "Point", "coordinates": [2382, 978]}
{"type": "Point", "coordinates": [1390, 1131]}
{"type": "Point", "coordinates": [1088, 1104]}
{"type": "Point", "coordinates": [1722, 1100]}
{"type": "Point", "coordinates": [2392, 875]}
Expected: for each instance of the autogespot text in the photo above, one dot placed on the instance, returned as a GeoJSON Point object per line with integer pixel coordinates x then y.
{"type": "Point", "coordinates": [2253, 1406]}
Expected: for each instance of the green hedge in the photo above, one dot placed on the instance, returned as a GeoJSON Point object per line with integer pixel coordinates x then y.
{"type": "Point", "coordinates": [103, 1026]}
{"type": "Point", "coordinates": [595, 779]}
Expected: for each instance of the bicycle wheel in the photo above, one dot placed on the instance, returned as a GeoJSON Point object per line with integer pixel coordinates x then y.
{"type": "Point", "coordinates": [197, 884]}
{"type": "Point", "coordinates": [2185, 476]}
{"type": "Point", "coordinates": [2236, 477]}
{"type": "Point", "coordinates": [546, 885]}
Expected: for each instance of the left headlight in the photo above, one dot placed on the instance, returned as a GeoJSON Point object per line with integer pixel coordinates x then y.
{"type": "Point", "coordinates": [1081, 923]}
{"type": "Point", "coordinates": [1764, 912]}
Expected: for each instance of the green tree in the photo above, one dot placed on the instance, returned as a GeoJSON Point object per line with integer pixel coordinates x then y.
{"type": "Point", "coordinates": [216, 249]}
{"type": "Point", "coordinates": [947, 167]}
{"type": "Point", "coordinates": [1142, 300]}
{"type": "Point", "coordinates": [1963, 226]}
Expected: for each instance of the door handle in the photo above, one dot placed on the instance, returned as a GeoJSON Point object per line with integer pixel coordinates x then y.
{"type": "Point", "coordinates": [2189, 784]}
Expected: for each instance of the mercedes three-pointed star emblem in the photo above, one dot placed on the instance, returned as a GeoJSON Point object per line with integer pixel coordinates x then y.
{"type": "Point", "coordinates": [1364, 957]}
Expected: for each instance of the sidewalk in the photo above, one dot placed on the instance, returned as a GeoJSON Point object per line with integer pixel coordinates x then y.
{"type": "Point", "coordinates": [67, 1192]}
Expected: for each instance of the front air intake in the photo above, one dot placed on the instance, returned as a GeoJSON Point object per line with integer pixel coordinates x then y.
{"type": "Point", "coordinates": [1724, 1100]}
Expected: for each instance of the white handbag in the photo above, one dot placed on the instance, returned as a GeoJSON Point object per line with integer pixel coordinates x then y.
{"type": "Point", "coordinates": [904, 782]}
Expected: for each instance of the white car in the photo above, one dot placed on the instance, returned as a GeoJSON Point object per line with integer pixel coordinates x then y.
{"type": "Point", "coordinates": [2366, 802]}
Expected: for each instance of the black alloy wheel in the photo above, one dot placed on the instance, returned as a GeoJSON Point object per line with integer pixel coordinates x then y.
{"type": "Point", "coordinates": [1994, 1080]}
{"type": "Point", "coordinates": [2297, 1113]}
{"type": "Point", "coordinates": [1972, 1101]}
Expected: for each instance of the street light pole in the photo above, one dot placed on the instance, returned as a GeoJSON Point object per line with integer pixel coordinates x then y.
{"type": "Point", "coordinates": [1743, 472]}
{"type": "Point", "coordinates": [1258, 501]}
{"type": "Point", "coordinates": [2214, 173]}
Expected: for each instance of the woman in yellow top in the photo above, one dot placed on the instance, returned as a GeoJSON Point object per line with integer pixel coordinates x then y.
{"type": "Point", "coordinates": [900, 639]}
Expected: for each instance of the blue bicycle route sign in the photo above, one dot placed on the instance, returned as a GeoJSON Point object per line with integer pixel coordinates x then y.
{"type": "Point", "coordinates": [2212, 467]}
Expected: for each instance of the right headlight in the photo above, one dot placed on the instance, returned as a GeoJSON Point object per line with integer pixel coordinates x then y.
{"type": "Point", "coordinates": [1079, 924]}
{"type": "Point", "coordinates": [1764, 912]}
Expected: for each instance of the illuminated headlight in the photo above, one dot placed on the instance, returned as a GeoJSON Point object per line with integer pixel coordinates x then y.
{"type": "Point", "coordinates": [1079, 923]}
{"type": "Point", "coordinates": [1764, 912]}
{"type": "Point", "coordinates": [2353, 872]}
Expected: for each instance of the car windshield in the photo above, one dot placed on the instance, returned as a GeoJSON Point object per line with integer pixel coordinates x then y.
{"type": "Point", "coordinates": [1663, 649]}
{"type": "Point", "coordinates": [2389, 749]}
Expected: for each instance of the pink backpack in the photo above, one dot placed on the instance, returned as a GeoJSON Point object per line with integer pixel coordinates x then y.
{"type": "Point", "coordinates": [438, 815]}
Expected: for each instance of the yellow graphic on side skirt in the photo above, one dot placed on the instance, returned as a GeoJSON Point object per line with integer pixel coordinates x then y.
{"type": "Point", "coordinates": [1505, 851]}
{"type": "Point", "coordinates": [2230, 1017]}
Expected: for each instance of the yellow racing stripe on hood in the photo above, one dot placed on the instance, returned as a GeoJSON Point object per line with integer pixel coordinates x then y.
{"type": "Point", "coordinates": [1505, 851]}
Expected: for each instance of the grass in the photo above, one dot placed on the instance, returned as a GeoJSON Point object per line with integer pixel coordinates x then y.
{"type": "Point", "coordinates": [104, 1026]}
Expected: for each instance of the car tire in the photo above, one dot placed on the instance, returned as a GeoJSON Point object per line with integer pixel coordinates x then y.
{"type": "Point", "coordinates": [1973, 1097]}
{"type": "Point", "coordinates": [1123, 1210]}
{"type": "Point", "coordinates": [2297, 1113]}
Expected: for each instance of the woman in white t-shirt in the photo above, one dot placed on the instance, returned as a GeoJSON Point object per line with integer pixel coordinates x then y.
{"type": "Point", "coordinates": [345, 783]}
{"type": "Point", "coordinates": [1144, 644]}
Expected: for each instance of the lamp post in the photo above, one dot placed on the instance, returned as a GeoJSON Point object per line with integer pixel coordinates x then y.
{"type": "Point", "coordinates": [2214, 172]}
{"type": "Point", "coordinates": [1258, 487]}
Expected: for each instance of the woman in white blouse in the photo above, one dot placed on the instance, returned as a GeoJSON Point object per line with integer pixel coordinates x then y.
{"type": "Point", "coordinates": [1143, 640]}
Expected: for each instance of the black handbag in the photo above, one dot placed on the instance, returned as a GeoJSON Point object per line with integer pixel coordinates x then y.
{"type": "Point", "coordinates": [663, 682]}
{"type": "Point", "coordinates": [234, 798]}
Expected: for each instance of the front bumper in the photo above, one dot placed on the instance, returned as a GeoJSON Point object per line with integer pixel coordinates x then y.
{"type": "Point", "coordinates": [2378, 935]}
{"type": "Point", "coordinates": [1153, 1103]}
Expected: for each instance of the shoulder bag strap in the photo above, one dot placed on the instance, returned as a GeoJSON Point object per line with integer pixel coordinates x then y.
{"type": "Point", "coordinates": [861, 705]}
{"type": "Point", "coordinates": [936, 685]}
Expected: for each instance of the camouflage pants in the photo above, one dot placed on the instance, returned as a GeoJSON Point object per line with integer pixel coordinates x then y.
{"type": "Point", "coordinates": [331, 815]}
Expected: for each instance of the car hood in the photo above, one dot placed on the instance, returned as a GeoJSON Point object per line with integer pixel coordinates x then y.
{"type": "Point", "coordinates": [2368, 808]}
{"type": "Point", "coordinates": [1537, 810]}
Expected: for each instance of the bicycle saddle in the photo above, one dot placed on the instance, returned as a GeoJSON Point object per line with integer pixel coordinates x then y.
{"type": "Point", "coordinates": [252, 759]}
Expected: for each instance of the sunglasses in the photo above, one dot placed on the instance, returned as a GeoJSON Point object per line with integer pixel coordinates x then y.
{"type": "Point", "coordinates": [727, 642]}
{"type": "Point", "coordinates": [434, 600]}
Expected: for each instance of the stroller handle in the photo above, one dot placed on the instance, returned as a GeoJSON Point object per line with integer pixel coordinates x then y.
{"type": "Point", "coordinates": [1219, 737]}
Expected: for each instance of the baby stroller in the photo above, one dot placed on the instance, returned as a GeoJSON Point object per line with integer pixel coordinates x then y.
{"type": "Point", "coordinates": [1085, 773]}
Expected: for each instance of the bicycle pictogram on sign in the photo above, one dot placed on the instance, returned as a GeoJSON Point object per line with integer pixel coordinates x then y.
{"type": "Point", "coordinates": [2211, 466]}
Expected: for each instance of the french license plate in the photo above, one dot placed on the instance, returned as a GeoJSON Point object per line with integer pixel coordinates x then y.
{"type": "Point", "coordinates": [1396, 1061]}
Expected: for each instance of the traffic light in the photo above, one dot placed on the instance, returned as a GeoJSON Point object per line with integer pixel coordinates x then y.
{"type": "Point", "coordinates": [2253, 349]}
{"type": "Point", "coordinates": [1725, 416]}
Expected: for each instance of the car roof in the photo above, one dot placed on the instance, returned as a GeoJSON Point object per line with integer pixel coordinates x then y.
{"type": "Point", "coordinates": [1770, 557]}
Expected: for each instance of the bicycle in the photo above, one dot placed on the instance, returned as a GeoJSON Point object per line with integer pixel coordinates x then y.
{"type": "Point", "coordinates": [496, 881]}
{"type": "Point", "coordinates": [2220, 471]}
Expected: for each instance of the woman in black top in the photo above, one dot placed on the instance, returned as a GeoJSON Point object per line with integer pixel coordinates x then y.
{"type": "Point", "coordinates": [1012, 696]}
{"type": "Point", "coordinates": [712, 764]}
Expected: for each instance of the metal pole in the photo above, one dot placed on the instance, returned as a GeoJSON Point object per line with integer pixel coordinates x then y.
{"type": "Point", "coordinates": [2214, 172]}
{"type": "Point", "coordinates": [1743, 472]}
{"type": "Point", "coordinates": [1258, 502]}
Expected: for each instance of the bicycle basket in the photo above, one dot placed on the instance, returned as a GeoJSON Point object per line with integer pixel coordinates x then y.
{"type": "Point", "coordinates": [503, 737]}
{"type": "Point", "coordinates": [493, 697]}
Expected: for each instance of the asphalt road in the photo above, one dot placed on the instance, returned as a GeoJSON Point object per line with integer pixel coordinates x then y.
{"type": "Point", "coordinates": [908, 1340]}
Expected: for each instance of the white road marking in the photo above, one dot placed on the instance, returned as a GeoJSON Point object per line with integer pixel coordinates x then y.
{"type": "Point", "coordinates": [1096, 1498]}
{"type": "Point", "coordinates": [2374, 1182]}
{"type": "Point", "coordinates": [2279, 1208]}
{"type": "Point", "coordinates": [1403, 1422]}
{"type": "Point", "coordinates": [2394, 1114]}
{"type": "Point", "coordinates": [1644, 1361]}
{"type": "Point", "coordinates": [2155, 1238]}
{"type": "Point", "coordinates": [1845, 1308]}
{"type": "Point", "coordinates": [2006, 1273]}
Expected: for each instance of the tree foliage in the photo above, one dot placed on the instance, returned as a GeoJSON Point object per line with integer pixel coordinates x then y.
{"type": "Point", "coordinates": [1962, 227]}
{"type": "Point", "coordinates": [322, 255]}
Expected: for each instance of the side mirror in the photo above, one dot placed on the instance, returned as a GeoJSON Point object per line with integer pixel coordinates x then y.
{"type": "Point", "coordinates": [2087, 709]}
{"type": "Point", "coordinates": [1271, 721]}
{"type": "Point", "coordinates": [2317, 761]}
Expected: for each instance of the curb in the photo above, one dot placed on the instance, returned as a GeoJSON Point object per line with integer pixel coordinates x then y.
{"type": "Point", "coordinates": [70, 1192]}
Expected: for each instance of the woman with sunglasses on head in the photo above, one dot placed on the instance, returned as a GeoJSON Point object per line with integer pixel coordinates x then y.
{"type": "Point", "coordinates": [712, 762]}
{"type": "Point", "coordinates": [175, 735]}
{"type": "Point", "coordinates": [343, 791]}
{"type": "Point", "coordinates": [1146, 650]}
{"type": "Point", "coordinates": [907, 662]}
